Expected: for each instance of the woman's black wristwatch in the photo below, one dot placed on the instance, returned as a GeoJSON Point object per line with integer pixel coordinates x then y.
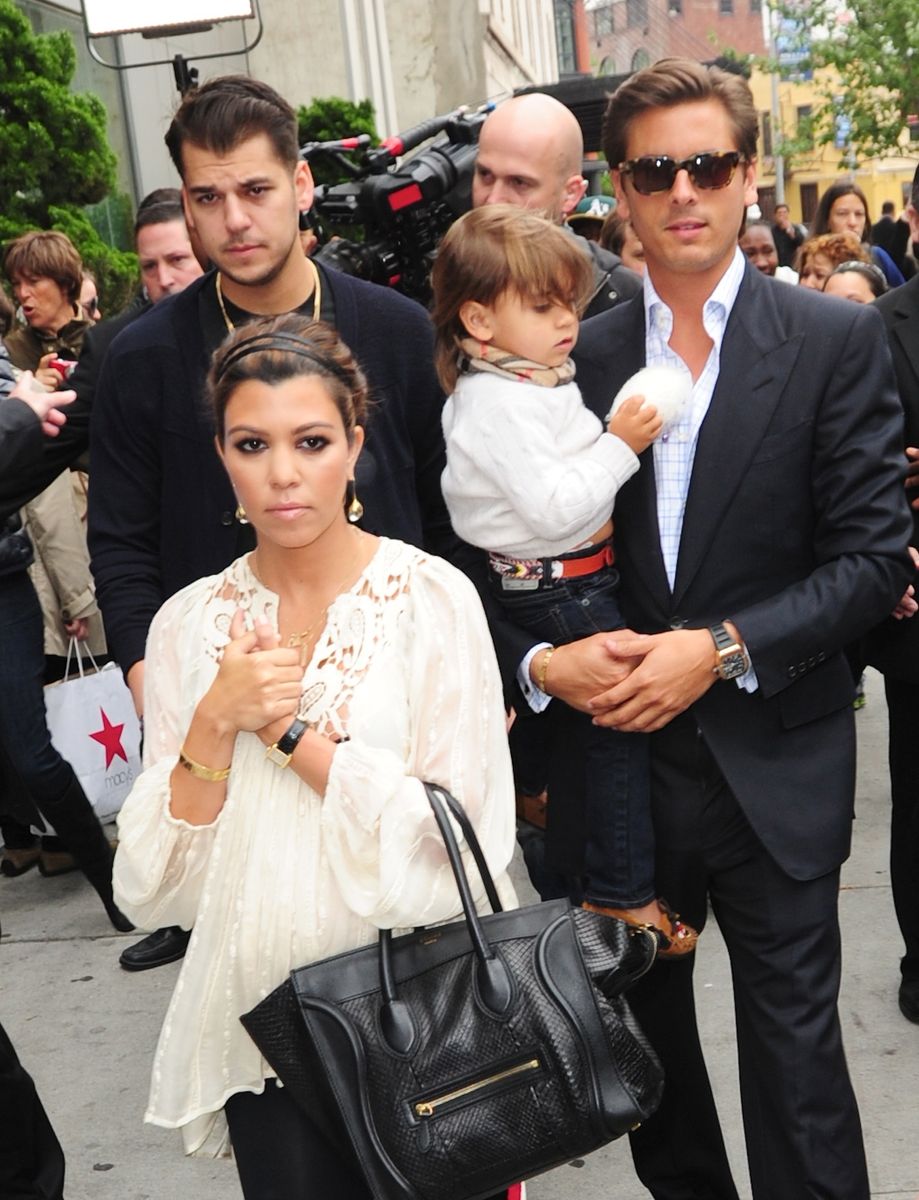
{"type": "Point", "coordinates": [282, 751]}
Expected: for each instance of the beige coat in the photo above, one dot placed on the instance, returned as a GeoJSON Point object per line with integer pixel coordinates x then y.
{"type": "Point", "coordinates": [54, 521]}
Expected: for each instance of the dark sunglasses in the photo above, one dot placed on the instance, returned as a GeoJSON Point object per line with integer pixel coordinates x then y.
{"type": "Point", "coordinates": [657, 172]}
{"type": "Point", "coordinates": [91, 306]}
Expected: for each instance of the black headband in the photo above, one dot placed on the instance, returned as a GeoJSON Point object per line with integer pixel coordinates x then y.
{"type": "Point", "coordinates": [292, 343]}
{"type": "Point", "coordinates": [868, 271]}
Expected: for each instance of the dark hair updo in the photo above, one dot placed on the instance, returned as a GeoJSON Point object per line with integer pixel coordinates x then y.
{"type": "Point", "coordinates": [273, 349]}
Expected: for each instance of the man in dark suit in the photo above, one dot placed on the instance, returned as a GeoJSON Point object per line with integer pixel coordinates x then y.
{"type": "Point", "coordinates": [884, 230]}
{"type": "Point", "coordinates": [891, 233]}
{"type": "Point", "coordinates": [894, 646]}
{"type": "Point", "coordinates": [762, 534]}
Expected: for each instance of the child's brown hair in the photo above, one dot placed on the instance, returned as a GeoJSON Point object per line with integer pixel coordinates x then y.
{"type": "Point", "coordinates": [491, 250]}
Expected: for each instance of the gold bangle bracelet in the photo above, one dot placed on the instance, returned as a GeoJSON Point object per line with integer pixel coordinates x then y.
{"type": "Point", "coordinates": [199, 771]}
{"type": "Point", "coordinates": [544, 669]}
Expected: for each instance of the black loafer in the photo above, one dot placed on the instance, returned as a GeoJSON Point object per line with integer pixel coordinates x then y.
{"type": "Point", "coordinates": [157, 948]}
{"type": "Point", "coordinates": [909, 1000]}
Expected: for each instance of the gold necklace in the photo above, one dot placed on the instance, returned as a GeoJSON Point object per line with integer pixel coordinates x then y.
{"type": "Point", "coordinates": [317, 295]}
{"type": "Point", "coordinates": [302, 640]}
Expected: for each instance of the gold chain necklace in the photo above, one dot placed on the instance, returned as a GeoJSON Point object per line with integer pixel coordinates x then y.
{"type": "Point", "coordinates": [317, 295]}
{"type": "Point", "coordinates": [301, 640]}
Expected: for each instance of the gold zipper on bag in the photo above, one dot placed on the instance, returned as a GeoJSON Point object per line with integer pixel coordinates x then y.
{"type": "Point", "coordinates": [428, 1108]}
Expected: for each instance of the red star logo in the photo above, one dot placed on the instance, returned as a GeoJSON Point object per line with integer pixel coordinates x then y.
{"type": "Point", "coordinates": [109, 736]}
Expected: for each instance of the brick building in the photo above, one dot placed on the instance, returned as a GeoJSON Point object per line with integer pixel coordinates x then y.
{"type": "Point", "coordinates": [626, 35]}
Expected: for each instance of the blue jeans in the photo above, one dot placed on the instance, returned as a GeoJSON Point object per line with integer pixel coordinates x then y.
{"type": "Point", "coordinates": [619, 843]}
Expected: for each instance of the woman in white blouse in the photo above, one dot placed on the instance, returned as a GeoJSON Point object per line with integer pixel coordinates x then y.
{"type": "Point", "coordinates": [294, 704]}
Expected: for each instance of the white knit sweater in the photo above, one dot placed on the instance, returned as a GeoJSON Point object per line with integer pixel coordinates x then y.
{"type": "Point", "coordinates": [530, 471]}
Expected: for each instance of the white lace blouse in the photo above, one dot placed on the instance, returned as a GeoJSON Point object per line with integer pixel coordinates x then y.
{"type": "Point", "coordinates": [405, 668]}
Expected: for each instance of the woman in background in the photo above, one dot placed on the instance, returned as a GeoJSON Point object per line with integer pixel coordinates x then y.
{"type": "Point", "coordinates": [46, 274]}
{"type": "Point", "coordinates": [843, 208]}
{"type": "Point", "coordinates": [819, 256]}
{"type": "Point", "coordinates": [858, 281]}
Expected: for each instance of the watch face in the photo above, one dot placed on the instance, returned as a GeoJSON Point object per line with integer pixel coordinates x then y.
{"type": "Point", "coordinates": [278, 756]}
{"type": "Point", "coordinates": [732, 665]}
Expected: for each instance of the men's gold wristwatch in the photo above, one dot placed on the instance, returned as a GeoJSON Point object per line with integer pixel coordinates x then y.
{"type": "Point", "coordinates": [732, 657]}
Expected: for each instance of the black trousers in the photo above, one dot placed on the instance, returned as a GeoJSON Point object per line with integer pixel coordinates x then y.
{"type": "Point", "coordinates": [800, 1118]}
{"type": "Point", "coordinates": [903, 714]}
{"type": "Point", "coordinates": [31, 1159]}
{"type": "Point", "coordinates": [282, 1155]}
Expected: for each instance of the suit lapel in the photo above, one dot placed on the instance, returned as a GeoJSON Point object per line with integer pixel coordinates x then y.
{"type": "Point", "coordinates": [757, 357]}
{"type": "Point", "coordinates": [904, 328]}
{"type": "Point", "coordinates": [635, 514]}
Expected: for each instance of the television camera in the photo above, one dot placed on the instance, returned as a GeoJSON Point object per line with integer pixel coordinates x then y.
{"type": "Point", "coordinates": [403, 208]}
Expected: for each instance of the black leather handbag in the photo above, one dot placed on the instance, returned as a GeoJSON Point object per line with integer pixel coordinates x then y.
{"type": "Point", "coordinates": [459, 1059]}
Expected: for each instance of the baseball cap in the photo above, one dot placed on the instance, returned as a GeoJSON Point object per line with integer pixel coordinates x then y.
{"type": "Point", "coordinates": [592, 208]}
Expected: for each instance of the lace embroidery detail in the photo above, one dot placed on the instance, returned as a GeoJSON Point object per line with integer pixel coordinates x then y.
{"type": "Point", "coordinates": [356, 623]}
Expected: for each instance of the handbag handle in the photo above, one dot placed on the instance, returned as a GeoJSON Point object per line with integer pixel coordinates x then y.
{"type": "Point", "coordinates": [472, 841]}
{"type": "Point", "coordinates": [483, 950]}
{"type": "Point", "coordinates": [493, 981]}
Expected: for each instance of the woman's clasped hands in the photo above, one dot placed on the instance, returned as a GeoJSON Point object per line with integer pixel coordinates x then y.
{"type": "Point", "coordinates": [259, 681]}
{"type": "Point", "coordinates": [256, 690]}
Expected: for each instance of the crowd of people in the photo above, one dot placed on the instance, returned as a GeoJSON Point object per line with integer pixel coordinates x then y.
{"type": "Point", "coordinates": [840, 233]}
{"type": "Point", "coordinates": [341, 547]}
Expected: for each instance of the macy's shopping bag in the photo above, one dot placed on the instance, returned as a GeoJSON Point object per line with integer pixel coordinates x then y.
{"type": "Point", "coordinates": [94, 726]}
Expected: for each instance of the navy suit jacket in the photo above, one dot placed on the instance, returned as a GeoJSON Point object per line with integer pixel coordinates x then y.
{"type": "Point", "coordinates": [893, 647]}
{"type": "Point", "coordinates": [795, 528]}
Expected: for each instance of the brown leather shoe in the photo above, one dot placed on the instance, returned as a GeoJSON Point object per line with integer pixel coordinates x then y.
{"type": "Point", "coordinates": [56, 862]}
{"type": "Point", "coordinates": [674, 937]}
{"type": "Point", "coordinates": [17, 862]}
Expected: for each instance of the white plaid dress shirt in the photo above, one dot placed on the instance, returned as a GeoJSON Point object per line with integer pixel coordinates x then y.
{"type": "Point", "coordinates": [675, 452]}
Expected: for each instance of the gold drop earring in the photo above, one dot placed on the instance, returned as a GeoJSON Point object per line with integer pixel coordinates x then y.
{"type": "Point", "coordinates": [355, 509]}
{"type": "Point", "coordinates": [240, 514]}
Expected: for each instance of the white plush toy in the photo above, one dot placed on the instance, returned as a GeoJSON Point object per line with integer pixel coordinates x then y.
{"type": "Point", "coordinates": [667, 388]}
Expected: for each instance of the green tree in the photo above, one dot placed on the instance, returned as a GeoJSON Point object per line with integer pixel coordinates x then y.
{"type": "Point", "coordinates": [54, 151]}
{"type": "Point", "coordinates": [328, 119]}
{"type": "Point", "coordinates": [866, 56]}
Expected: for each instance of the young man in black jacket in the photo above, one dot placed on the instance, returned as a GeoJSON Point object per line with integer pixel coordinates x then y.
{"type": "Point", "coordinates": [161, 508]}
